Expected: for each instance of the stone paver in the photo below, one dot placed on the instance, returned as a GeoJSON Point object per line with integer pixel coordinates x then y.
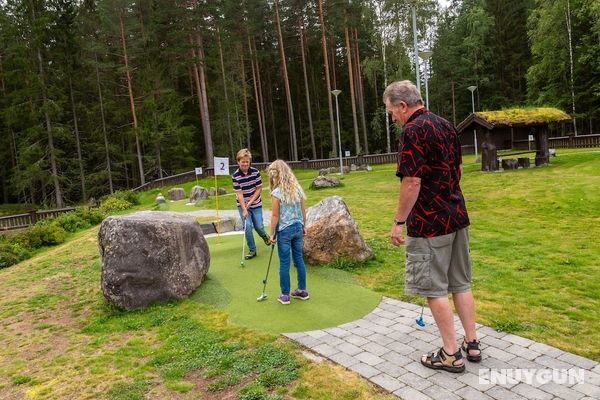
{"type": "Point", "coordinates": [385, 346]}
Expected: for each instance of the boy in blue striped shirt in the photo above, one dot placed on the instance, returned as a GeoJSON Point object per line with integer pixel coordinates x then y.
{"type": "Point", "coordinates": [247, 186]}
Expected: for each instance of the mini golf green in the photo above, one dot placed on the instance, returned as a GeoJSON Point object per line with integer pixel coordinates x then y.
{"type": "Point", "coordinates": [334, 296]}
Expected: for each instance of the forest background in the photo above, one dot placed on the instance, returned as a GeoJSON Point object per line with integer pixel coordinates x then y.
{"type": "Point", "coordinates": [97, 96]}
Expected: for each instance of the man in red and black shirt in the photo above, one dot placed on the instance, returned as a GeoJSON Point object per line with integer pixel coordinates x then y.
{"type": "Point", "coordinates": [432, 207]}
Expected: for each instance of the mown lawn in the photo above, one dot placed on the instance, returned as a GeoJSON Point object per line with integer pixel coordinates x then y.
{"type": "Point", "coordinates": [536, 263]}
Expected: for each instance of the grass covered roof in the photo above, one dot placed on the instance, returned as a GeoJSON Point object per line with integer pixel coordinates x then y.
{"type": "Point", "coordinates": [515, 117]}
{"type": "Point", "coordinates": [524, 116]}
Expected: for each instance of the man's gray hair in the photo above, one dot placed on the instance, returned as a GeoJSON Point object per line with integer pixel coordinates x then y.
{"type": "Point", "coordinates": [405, 91]}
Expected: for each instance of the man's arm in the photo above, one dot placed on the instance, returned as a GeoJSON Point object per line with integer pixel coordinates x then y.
{"type": "Point", "coordinates": [409, 193]}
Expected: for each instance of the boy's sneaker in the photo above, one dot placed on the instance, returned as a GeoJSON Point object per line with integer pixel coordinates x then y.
{"type": "Point", "coordinates": [250, 255]}
{"type": "Point", "coordinates": [284, 299]}
{"type": "Point", "coordinates": [300, 294]}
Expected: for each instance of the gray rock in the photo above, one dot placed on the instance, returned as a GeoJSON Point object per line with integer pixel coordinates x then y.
{"type": "Point", "coordinates": [510, 163]}
{"type": "Point", "coordinates": [331, 233]}
{"type": "Point", "coordinates": [198, 193]}
{"type": "Point", "coordinates": [176, 194]}
{"type": "Point", "coordinates": [151, 257]}
{"type": "Point", "coordinates": [160, 199]}
{"type": "Point", "coordinates": [323, 181]}
{"type": "Point", "coordinates": [221, 191]}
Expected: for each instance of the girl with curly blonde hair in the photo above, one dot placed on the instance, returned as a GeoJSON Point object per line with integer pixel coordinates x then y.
{"type": "Point", "coordinates": [288, 222]}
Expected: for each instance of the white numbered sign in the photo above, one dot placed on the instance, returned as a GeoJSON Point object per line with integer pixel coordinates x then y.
{"type": "Point", "coordinates": [221, 166]}
{"type": "Point", "coordinates": [198, 170]}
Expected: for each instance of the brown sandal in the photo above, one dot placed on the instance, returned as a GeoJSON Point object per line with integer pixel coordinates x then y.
{"type": "Point", "coordinates": [467, 347]}
{"type": "Point", "coordinates": [445, 361]}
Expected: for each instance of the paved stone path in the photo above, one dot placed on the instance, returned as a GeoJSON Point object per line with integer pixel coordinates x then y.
{"type": "Point", "coordinates": [385, 347]}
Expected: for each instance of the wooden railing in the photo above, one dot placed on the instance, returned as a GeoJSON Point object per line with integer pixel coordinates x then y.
{"type": "Point", "coordinates": [371, 159]}
{"type": "Point", "coordinates": [24, 220]}
{"type": "Point", "coordinates": [575, 141]}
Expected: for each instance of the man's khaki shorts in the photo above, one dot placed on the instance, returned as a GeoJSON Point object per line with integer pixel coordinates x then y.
{"type": "Point", "coordinates": [439, 265]}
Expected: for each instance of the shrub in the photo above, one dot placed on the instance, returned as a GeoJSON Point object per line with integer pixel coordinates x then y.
{"type": "Point", "coordinates": [92, 216]}
{"type": "Point", "coordinates": [112, 204]}
{"type": "Point", "coordinates": [127, 195]}
{"type": "Point", "coordinates": [12, 253]}
{"type": "Point", "coordinates": [44, 233]}
{"type": "Point", "coordinates": [71, 222]}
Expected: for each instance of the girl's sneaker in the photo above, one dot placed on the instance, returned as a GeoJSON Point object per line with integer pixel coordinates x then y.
{"type": "Point", "coordinates": [284, 299]}
{"type": "Point", "coordinates": [300, 294]}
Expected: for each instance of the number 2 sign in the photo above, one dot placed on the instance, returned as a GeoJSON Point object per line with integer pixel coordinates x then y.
{"type": "Point", "coordinates": [221, 166]}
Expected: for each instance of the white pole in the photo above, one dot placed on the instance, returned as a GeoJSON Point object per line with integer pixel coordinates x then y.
{"type": "Point", "coordinates": [336, 92]}
{"type": "Point", "coordinates": [416, 50]}
{"type": "Point", "coordinates": [472, 90]}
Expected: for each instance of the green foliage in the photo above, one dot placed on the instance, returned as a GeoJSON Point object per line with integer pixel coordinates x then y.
{"type": "Point", "coordinates": [112, 204]}
{"type": "Point", "coordinates": [12, 253]}
{"type": "Point", "coordinates": [91, 215]}
{"type": "Point", "coordinates": [128, 195]}
{"type": "Point", "coordinates": [71, 222]}
{"type": "Point", "coordinates": [44, 233]}
{"type": "Point", "coordinates": [129, 390]}
{"type": "Point", "coordinates": [21, 379]}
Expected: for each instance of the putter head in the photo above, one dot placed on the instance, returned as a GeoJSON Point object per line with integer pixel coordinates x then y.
{"type": "Point", "coordinates": [262, 297]}
{"type": "Point", "coordinates": [420, 321]}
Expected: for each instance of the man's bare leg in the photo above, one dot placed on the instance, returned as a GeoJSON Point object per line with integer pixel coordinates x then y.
{"type": "Point", "coordinates": [465, 306]}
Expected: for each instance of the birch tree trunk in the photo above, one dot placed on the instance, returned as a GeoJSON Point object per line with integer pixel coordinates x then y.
{"type": "Point", "coordinates": [258, 100]}
{"type": "Point", "coordinates": [229, 135]}
{"type": "Point", "coordinates": [361, 96]}
{"type": "Point", "coordinates": [572, 84]}
{"type": "Point", "coordinates": [131, 100]}
{"type": "Point", "coordinates": [327, 79]}
{"type": "Point", "coordinates": [245, 100]}
{"type": "Point", "coordinates": [53, 164]}
{"type": "Point", "coordinates": [103, 120]}
{"type": "Point", "coordinates": [77, 140]}
{"type": "Point", "coordinates": [208, 142]}
{"type": "Point", "coordinates": [286, 82]}
{"type": "Point", "coordinates": [307, 93]}
{"type": "Point", "coordinates": [352, 96]}
{"type": "Point", "coordinates": [262, 101]}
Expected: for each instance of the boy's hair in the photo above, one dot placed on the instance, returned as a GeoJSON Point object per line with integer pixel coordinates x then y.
{"type": "Point", "coordinates": [282, 177]}
{"type": "Point", "coordinates": [243, 153]}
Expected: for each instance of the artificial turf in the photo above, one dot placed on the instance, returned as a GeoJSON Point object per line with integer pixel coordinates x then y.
{"type": "Point", "coordinates": [335, 298]}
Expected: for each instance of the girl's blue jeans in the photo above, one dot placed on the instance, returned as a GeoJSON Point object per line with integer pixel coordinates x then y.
{"type": "Point", "coordinates": [289, 240]}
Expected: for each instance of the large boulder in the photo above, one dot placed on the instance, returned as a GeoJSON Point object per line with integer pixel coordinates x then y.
{"type": "Point", "coordinates": [198, 193]}
{"type": "Point", "coordinates": [324, 181]}
{"type": "Point", "coordinates": [176, 194]}
{"type": "Point", "coordinates": [331, 233]}
{"type": "Point", "coordinates": [151, 257]}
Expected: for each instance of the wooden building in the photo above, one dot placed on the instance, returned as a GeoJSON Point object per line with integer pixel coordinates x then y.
{"type": "Point", "coordinates": [519, 129]}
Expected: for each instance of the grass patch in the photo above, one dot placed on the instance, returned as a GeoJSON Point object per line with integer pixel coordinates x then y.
{"type": "Point", "coordinates": [535, 256]}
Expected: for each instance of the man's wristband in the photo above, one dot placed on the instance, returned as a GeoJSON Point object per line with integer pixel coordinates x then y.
{"type": "Point", "coordinates": [399, 222]}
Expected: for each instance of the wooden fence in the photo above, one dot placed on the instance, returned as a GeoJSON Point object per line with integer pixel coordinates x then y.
{"type": "Point", "coordinates": [20, 221]}
{"type": "Point", "coordinates": [574, 141]}
{"type": "Point", "coordinates": [370, 159]}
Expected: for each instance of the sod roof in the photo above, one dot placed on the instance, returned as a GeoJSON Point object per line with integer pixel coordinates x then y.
{"type": "Point", "coordinates": [514, 117]}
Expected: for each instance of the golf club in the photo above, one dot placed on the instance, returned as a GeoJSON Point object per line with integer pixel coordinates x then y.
{"type": "Point", "coordinates": [263, 296]}
{"type": "Point", "coordinates": [243, 243]}
{"type": "Point", "coordinates": [420, 320]}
